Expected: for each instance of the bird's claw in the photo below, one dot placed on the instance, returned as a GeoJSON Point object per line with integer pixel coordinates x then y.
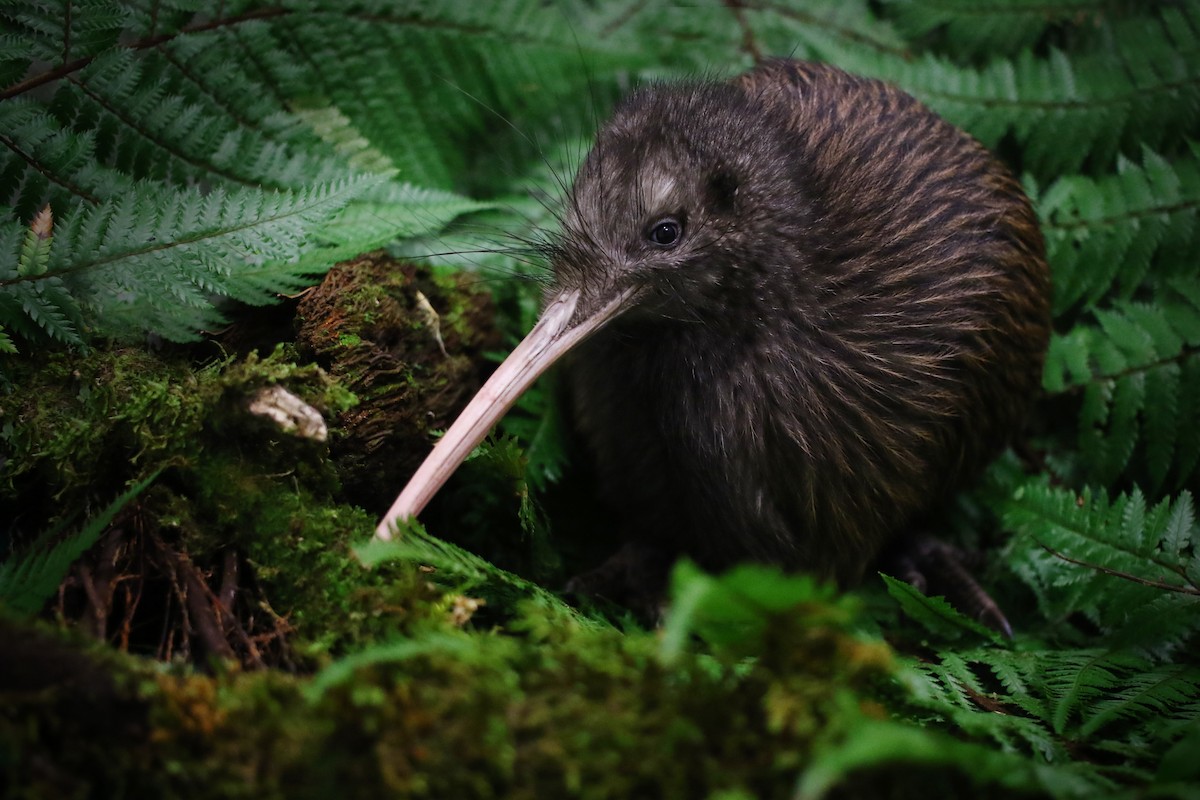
{"type": "Point", "coordinates": [935, 567]}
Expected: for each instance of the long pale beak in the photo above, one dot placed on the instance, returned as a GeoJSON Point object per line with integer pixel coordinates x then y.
{"type": "Point", "coordinates": [552, 337]}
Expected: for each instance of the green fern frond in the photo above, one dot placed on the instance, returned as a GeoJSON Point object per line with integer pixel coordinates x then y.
{"type": "Point", "coordinates": [1129, 567]}
{"type": "Point", "coordinates": [1105, 236]}
{"type": "Point", "coordinates": [413, 543]}
{"type": "Point", "coordinates": [1151, 694]}
{"type": "Point", "coordinates": [1014, 714]}
{"type": "Point", "coordinates": [824, 29]}
{"type": "Point", "coordinates": [1137, 86]}
{"type": "Point", "coordinates": [29, 579]}
{"type": "Point", "coordinates": [875, 743]}
{"type": "Point", "coordinates": [1075, 679]}
{"type": "Point", "coordinates": [61, 31]}
{"type": "Point", "coordinates": [934, 613]}
{"type": "Point", "coordinates": [966, 29]}
{"type": "Point", "coordinates": [1039, 701]}
{"type": "Point", "coordinates": [46, 307]}
{"type": "Point", "coordinates": [1137, 368]}
{"type": "Point", "coordinates": [156, 258]}
{"type": "Point", "coordinates": [113, 132]}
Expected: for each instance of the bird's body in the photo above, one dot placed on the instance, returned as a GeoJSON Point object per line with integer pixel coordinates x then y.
{"type": "Point", "coordinates": [809, 308]}
{"type": "Point", "coordinates": [851, 324]}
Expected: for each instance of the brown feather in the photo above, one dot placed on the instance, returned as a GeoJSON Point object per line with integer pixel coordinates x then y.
{"type": "Point", "coordinates": [852, 326]}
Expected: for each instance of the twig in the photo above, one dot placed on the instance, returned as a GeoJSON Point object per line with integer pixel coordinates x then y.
{"type": "Point", "coordinates": [229, 581]}
{"type": "Point", "coordinates": [96, 613]}
{"type": "Point", "coordinates": [1116, 573]}
{"type": "Point", "coordinates": [204, 613]}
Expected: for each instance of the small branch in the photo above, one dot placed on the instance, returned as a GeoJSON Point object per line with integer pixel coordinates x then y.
{"type": "Point", "coordinates": [1185, 353]}
{"type": "Point", "coordinates": [1169, 587]}
{"type": "Point", "coordinates": [749, 42]}
{"type": "Point", "coordinates": [229, 581]}
{"type": "Point", "coordinates": [203, 612]}
{"type": "Point", "coordinates": [97, 610]}
{"type": "Point", "coordinates": [152, 41]}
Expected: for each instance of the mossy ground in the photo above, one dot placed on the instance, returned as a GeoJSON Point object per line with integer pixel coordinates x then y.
{"type": "Point", "coordinates": [546, 708]}
{"type": "Point", "coordinates": [222, 639]}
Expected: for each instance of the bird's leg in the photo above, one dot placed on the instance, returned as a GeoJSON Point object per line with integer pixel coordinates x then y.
{"type": "Point", "coordinates": [634, 577]}
{"type": "Point", "coordinates": [938, 568]}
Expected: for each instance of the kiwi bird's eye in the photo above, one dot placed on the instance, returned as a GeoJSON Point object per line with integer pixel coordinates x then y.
{"type": "Point", "coordinates": [665, 232]}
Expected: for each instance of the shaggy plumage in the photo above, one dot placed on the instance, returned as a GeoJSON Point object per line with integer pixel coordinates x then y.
{"type": "Point", "coordinates": [841, 308]}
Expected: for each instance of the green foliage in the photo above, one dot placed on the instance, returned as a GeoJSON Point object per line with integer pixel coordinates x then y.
{"type": "Point", "coordinates": [237, 154]}
{"type": "Point", "coordinates": [1131, 85]}
{"type": "Point", "coordinates": [1134, 367]}
{"type": "Point", "coordinates": [967, 29]}
{"type": "Point", "coordinates": [466, 571]}
{"type": "Point", "coordinates": [156, 162]}
{"type": "Point", "coordinates": [733, 612]}
{"type": "Point", "coordinates": [29, 580]}
{"type": "Point", "coordinates": [553, 709]}
{"type": "Point", "coordinates": [155, 258]}
{"type": "Point", "coordinates": [1125, 685]}
{"type": "Point", "coordinates": [935, 614]}
{"type": "Point", "coordinates": [1106, 236]}
{"type": "Point", "coordinates": [1131, 568]}
{"type": "Point", "coordinates": [1122, 247]}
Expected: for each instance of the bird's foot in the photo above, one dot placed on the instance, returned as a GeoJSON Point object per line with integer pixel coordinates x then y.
{"type": "Point", "coordinates": [634, 577]}
{"type": "Point", "coordinates": [935, 567]}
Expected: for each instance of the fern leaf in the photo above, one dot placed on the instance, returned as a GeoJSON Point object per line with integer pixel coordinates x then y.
{"type": "Point", "coordinates": [1012, 715]}
{"type": "Point", "coordinates": [157, 257]}
{"type": "Point", "coordinates": [971, 30]}
{"type": "Point", "coordinates": [1120, 562]}
{"type": "Point", "coordinates": [1104, 236]}
{"type": "Point", "coordinates": [414, 544]}
{"type": "Point", "coordinates": [51, 35]}
{"type": "Point", "coordinates": [35, 250]}
{"type": "Point", "coordinates": [1019, 673]}
{"type": "Point", "coordinates": [934, 613]}
{"type": "Point", "coordinates": [1141, 695]}
{"type": "Point", "coordinates": [243, 102]}
{"type": "Point", "coordinates": [1135, 86]}
{"type": "Point", "coordinates": [1136, 366]}
{"type": "Point", "coordinates": [48, 307]}
{"type": "Point", "coordinates": [1075, 682]}
{"type": "Point", "coordinates": [28, 580]}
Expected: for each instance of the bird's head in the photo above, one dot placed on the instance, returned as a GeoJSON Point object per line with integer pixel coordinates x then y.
{"type": "Point", "coordinates": [687, 200]}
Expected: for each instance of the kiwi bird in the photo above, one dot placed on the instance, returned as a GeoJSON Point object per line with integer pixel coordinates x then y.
{"type": "Point", "coordinates": [799, 310]}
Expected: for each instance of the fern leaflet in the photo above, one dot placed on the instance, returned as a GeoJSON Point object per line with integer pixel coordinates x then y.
{"type": "Point", "coordinates": [966, 29]}
{"type": "Point", "coordinates": [1125, 565]}
{"type": "Point", "coordinates": [28, 580]}
{"type": "Point", "coordinates": [1135, 86]}
{"type": "Point", "coordinates": [1106, 236]}
{"type": "Point", "coordinates": [1138, 371]}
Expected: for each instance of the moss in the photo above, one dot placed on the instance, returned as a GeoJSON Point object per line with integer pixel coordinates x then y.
{"type": "Point", "coordinates": [82, 427]}
{"type": "Point", "coordinates": [554, 709]}
{"type": "Point", "coordinates": [238, 503]}
{"type": "Point", "coordinates": [409, 342]}
{"type": "Point", "coordinates": [299, 547]}
{"type": "Point", "coordinates": [254, 657]}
